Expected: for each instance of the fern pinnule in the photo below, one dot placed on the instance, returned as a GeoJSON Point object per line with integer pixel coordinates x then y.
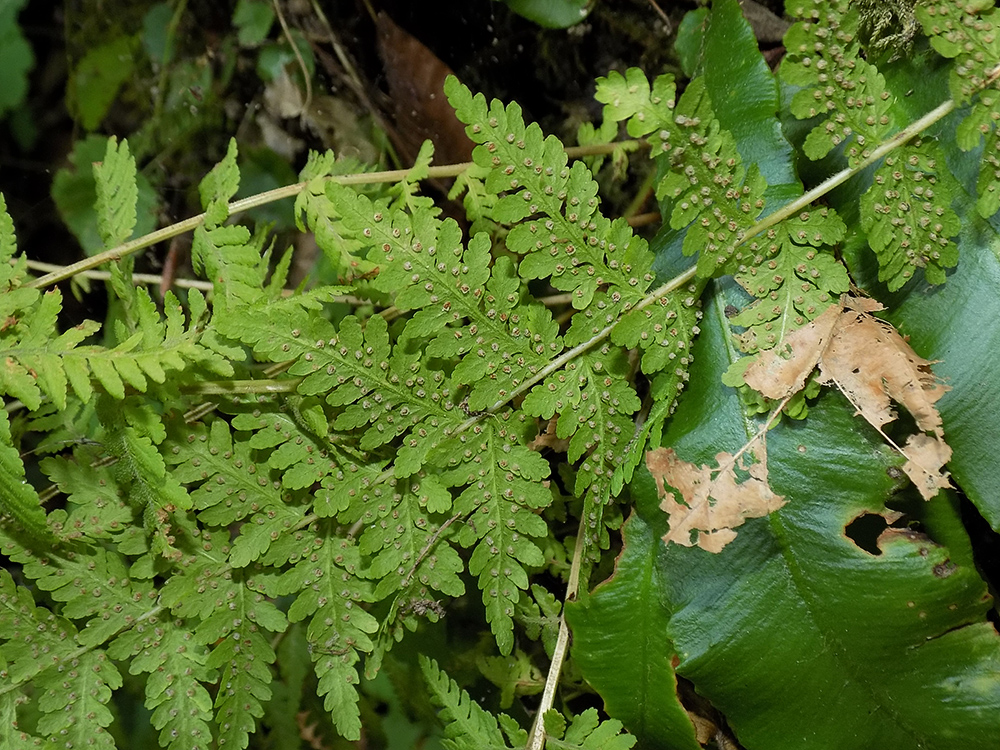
{"type": "Point", "coordinates": [909, 227]}
{"type": "Point", "coordinates": [554, 208]}
{"type": "Point", "coordinates": [330, 592]}
{"type": "Point", "coordinates": [908, 217]}
{"type": "Point", "coordinates": [33, 638]}
{"type": "Point", "coordinates": [407, 550]}
{"type": "Point", "coordinates": [503, 491]}
{"type": "Point", "coordinates": [117, 193]}
{"type": "Point", "coordinates": [229, 612]}
{"type": "Point", "coordinates": [314, 210]}
{"type": "Point", "coordinates": [96, 509]}
{"type": "Point", "coordinates": [792, 275]}
{"type": "Point", "coordinates": [967, 32]}
{"type": "Point", "coordinates": [74, 701]}
{"type": "Point", "coordinates": [93, 583]}
{"type": "Point", "coordinates": [837, 83]}
{"type": "Point", "coordinates": [467, 725]}
{"type": "Point", "coordinates": [165, 648]}
{"type": "Point", "coordinates": [232, 487]}
{"type": "Point", "coordinates": [461, 308]}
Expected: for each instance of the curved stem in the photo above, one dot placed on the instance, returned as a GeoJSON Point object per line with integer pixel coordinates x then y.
{"type": "Point", "coordinates": [536, 740]}
{"type": "Point", "coordinates": [262, 199]}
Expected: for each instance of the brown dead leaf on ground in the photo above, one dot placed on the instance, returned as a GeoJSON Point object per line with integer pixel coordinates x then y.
{"type": "Point", "coordinates": [873, 366]}
{"type": "Point", "coordinates": [713, 500]}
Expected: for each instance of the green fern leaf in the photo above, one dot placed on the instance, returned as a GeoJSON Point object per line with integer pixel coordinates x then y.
{"type": "Point", "coordinates": [907, 218]}
{"type": "Point", "coordinates": [586, 732]}
{"type": "Point", "coordinates": [466, 725]}
{"type": "Point", "coordinates": [32, 638]}
{"type": "Point", "coordinates": [477, 201]}
{"type": "Point", "coordinates": [74, 702]}
{"type": "Point", "coordinates": [296, 434]}
{"type": "Point", "coordinates": [968, 33]}
{"type": "Point", "coordinates": [572, 243]}
{"type": "Point", "coordinates": [131, 434]}
{"type": "Point", "coordinates": [706, 178]}
{"type": "Point", "coordinates": [460, 307]}
{"type": "Point", "coordinates": [95, 506]}
{"type": "Point", "coordinates": [792, 277]}
{"type": "Point", "coordinates": [94, 585]}
{"type": "Point", "coordinates": [647, 109]}
{"type": "Point", "coordinates": [234, 488]}
{"type": "Point", "coordinates": [233, 616]}
{"type": "Point", "coordinates": [219, 186]}
{"type": "Point", "coordinates": [837, 83]}
{"type": "Point", "coordinates": [503, 494]}
{"type": "Point", "coordinates": [18, 499]}
{"type": "Point", "coordinates": [167, 650]}
{"type": "Point", "coordinates": [315, 210]}
{"type": "Point", "coordinates": [407, 550]}
{"type": "Point", "coordinates": [243, 657]}
{"type": "Point", "coordinates": [117, 194]}
{"type": "Point", "coordinates": [330, 592]}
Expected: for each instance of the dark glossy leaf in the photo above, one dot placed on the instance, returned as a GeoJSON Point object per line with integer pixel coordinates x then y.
{"type": "Point", "coordinates": [957, 323]}
{"type": "Point", "coordinates": [620, 644]}
{"type": "Point", "coordinates": [800, 637]}
{"type": "Point", "coordinates": [552, 14]}
{"type": "Point", "coordinates": [745, 99]}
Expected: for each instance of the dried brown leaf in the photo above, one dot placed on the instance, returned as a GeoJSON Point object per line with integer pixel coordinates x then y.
{"type": "Point", "coordinates": [926, 457]}
{"type": "Point", "coordinates": [416, 84]}
{"type": "Point", "coordinates": [873, 366]}
{"type": "Point", "coordinates": [714, 501]}
{"type": "Point", "coordinates": [782, 371]}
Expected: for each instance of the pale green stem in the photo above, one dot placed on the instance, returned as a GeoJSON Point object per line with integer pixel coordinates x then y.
{"type": "Point", "coordinates": [262, 199]}
{"type": "Point", "coordinates": [536, 740]}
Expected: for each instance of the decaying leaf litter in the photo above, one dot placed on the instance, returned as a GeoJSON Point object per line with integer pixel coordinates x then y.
{"type": "Point", "coordinates": [871, 364]}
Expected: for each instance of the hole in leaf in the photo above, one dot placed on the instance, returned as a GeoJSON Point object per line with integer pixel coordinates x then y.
{"type": "Point", "coordinates": [865, 530]}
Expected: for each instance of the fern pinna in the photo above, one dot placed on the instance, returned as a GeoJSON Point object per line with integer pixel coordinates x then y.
{"type": "Point", "coordinates": [261, 473]}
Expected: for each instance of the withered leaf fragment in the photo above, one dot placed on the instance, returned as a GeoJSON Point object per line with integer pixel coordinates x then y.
{"type": "Point", "coordinates": [713, 500]}
{"type": "Point", "coordinates": [873, 366]}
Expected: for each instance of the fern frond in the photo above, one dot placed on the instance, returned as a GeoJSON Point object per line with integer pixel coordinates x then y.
{"type": "Point", "coordinates": [466, 725]}
{"type": "Point", "coordinates": [571, 242]}
{"type": "Point", "coordinates": [407, 552]}
{"type": "Point", "coordinates": [499, 504]}
{"type": "Point", "coordinates": [229, 486]}
{"type": "Point", "coordinates": [908, 226]}
{"type": "Point", "coordinates": [837, 83]}
{"type": "Point", "coordinates": [462, 308]}
{"type": "Point", "coordinates": [234, 615]}
{"type": "Point", "coordinates": [166, 650]}
{"type": "Point", "coordinates": [35, 364]}
{"type": "Point", "coordinates": [792, 277]}
{"type": "Point", "coordinates": [967, 32]}
{"type": "Point", "coordinates": [586, 732]}
{"type": "Point", "coordinates": [117, 194]}
{"type": "Point", "coordinates": [908, 218]}
{"type": "Point", "coordinates": [32, 638]}
{"type": "Point", "coordinates": [72, 685]}
{"type": "Point", "coordinates": [330, 592]}
{"type": "Point", "coordinates": [93, 583]}
{"type": "Point", "coordinates": [74, 701]}
{"type": "Point", "coordinates": [302, 447]}
{"type": "Point", "coordinates": [18, 499]}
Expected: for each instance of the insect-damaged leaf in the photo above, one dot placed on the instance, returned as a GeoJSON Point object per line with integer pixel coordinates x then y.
{"type": "Point", "coordinates": [714, 500]}
{"type": "Point", "coordinates": [873, 366]}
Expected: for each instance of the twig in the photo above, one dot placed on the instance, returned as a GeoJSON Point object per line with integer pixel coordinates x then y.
{"type": "Point", "coordinates": [536, 740]}
{"type": "Point", "coordinates": [427, 548]}
{"type": "Point", "coordinates": [664, 16]}
{"type": "Point", "coordinates": [262, 199]}
{"type": "Point", "coordinates": [298, 56]}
